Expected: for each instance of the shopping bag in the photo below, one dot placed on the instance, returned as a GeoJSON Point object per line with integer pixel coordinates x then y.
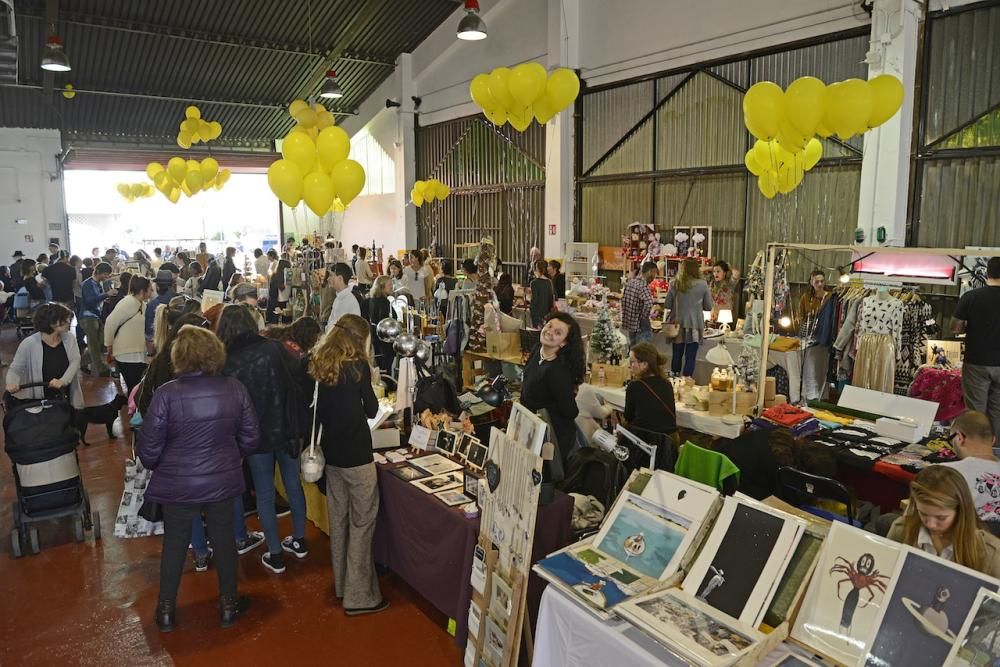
{"type": "Point", "coordinates": [129, 523]}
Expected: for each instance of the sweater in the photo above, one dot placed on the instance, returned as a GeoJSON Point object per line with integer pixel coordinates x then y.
{"type": "Point", "coordinates": [991, 546]}
{"type": "Point", "coordinates": [647, 402]}
{"type": "Point", "coordinates": [542, 300]}
{"type": "Point", "coordinates": [124, 330]}
{"type": "Point", "coordinates": [26, 368]}
{"type": "Point", "coordinates": [705, 466]}
{"type": "Point", "coordinates": [688, 307]}
{"type": "Point", "coordinates": [549, 385]}
{"type": "Point", "coordinates": [344, 410]}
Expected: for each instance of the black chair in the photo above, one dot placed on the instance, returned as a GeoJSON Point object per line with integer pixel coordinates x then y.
{"type": "Point", "coordinates": [803, 488]}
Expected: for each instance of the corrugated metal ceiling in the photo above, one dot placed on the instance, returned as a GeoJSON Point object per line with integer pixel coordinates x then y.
{"type": "Point", "coordinates": [245, 60]}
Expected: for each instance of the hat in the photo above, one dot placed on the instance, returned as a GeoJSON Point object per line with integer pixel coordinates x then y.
{"type": "Point", "coordinates": [243, 291]}
{"type": "Point", "coordinates": [163, 277]}
{"type": "Point", "coordinates": [18, 253]}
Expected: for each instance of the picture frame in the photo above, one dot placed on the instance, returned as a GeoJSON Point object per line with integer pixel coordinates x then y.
{"type": "Point", "coordinates": [977, 643]}
{"type": "Point", "coordinates": [464, 443]}
{"type": "Point", "coordinates": [649, 538]}
{"type": "Point", "coordinates": [453, 497]}
{"type": "Point", "coordinates": [477, 455]}
{"type": "Point", "coordinates": [420, 437]}
{"type": "Point", "coordinates": [435, 464]}
{"type": "Point", "coordinates": [470, 484]}
{"type": "Point", "coordinates": [447, 442]}
{"type": "Point", "coordinates": [526, 428]}
{"type": "Point", "coordinates": [501, 598]}
{"type": "Point", "coordinates": [493, 642]}
{"type": "Point", "coordinates": [445, 482]}
{"type": "Point", "coordinates": [408, 473]}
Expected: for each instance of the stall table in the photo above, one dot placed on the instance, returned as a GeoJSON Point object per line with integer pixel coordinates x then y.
{"type": "Point", "coordinates": [430, 545]}
{"type": "Point", "coordinates": [686, 417]}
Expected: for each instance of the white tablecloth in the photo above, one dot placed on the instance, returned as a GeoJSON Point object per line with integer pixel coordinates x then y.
{"type": "Point", "coordinates": [568, 636]}
{"type": "Point", "coordinates": [686, 417]}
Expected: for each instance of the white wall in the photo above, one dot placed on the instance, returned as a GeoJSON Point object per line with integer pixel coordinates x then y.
{"type": "Point", "coordinates": [28, 165]}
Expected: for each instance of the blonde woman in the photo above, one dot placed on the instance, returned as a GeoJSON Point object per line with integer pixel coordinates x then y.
{"type": "Point", "coordinates": [346, 401]}
{"type": "Point", "coordinates": [941, 519]}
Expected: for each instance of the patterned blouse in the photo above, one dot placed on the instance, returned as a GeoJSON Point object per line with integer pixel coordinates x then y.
{"type": "Point", "coordinates": [723, 294]}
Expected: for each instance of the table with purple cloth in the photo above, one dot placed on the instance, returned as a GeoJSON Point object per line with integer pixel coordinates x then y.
{"type": "Point", "coordinates": [430, 545]}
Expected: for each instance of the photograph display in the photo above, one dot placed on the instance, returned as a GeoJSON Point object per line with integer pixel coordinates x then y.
{"type": "Point", "coordinates": [526, 429]}
{"type": "Point", "coordinates": [978, 643]}
{"type": "Point", "coordinates": [642, 535]}
{"type": "Point", "coordinates": [435, 464]}
{"type": "Point", "coordinates": [446, 442]}
{"type": "Point", "coordinates": [454, 497]}
{"type": "Point", "coordinates": [444, 482]}
{"type": "Point", "coordinates": [464, 443]}
{"type": "Point", "coordinates": [408, 473]}
{"type": "Point", "coordinates": [500, 598]}
{"type": "Point", "coordinates": [477, 455]}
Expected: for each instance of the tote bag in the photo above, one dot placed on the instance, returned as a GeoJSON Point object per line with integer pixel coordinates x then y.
{"type": "Point", "coordinates": [129, 523]}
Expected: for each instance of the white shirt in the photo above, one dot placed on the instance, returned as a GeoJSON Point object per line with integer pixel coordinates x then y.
{"type": "Point", "coordinates": [345, 304]}
{"type": "Point", "coordinates": [983, 478]}
{"type": "Point", "coordinates": [926, 544]}
{"type": "Point", "coordinates": [261, 265]}
{"type": "Point", "coordinates": [409, 277]}
{"type": "Point", "coordinates": [363, 272]}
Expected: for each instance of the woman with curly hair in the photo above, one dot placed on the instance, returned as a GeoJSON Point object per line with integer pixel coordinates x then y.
{"type": "Point", "coordinates": [552, 375]}
{"type": "Point", "coordinates": [346, 401]}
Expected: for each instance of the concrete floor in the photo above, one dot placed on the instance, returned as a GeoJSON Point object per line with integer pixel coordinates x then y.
{"type": "Point", "coordinates": [93, 603]}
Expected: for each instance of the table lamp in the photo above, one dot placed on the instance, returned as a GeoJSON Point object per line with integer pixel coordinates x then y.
{"type": "Point", "coordinates": [725, 319]}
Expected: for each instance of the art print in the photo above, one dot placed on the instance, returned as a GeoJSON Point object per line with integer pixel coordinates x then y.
{"type": "Point", "coordinates": [683, 496]}
{"type": "Point", "coordinates": [446, 442]}
{"type": "Point", "coordinates": [475, 617]}
{"type": "Point", "coordinates": [435, 464]}
{"type": "Point", "coordinates": [501, 602]}
{"type": "Point", "coordinates": [790, 586]}
{"type": "Point", "coordinates": [409, 473]}
{"type": "Point", "coordinates": [420, 437]}
{"type": "Point", "coordinates": [526, 429]}
{"type": "Point", "coordinates": [643, 536]}
{"type": "Point", "coordinates": [454, 497]}
{"type": "Point", "coordinates": [978, 643]}
{"type": "Point", "coordinates": [478, 577]}
{"type": "Point", "coordinates": [598, 581]}
{"type": "Point", "coordinates": [471, 485]}
{"type": "Point", "coordinates": [464, 443]}
{"type": "Point", "coordinates": [925, 612]}
{"type": "Point", "coordinates": [493, 642]}
{"type": "Point", "coordinates": [847, 592]}
{"type": "Point", "coordinates": [438, 482]}
{"type": "Point", "coordinates": [477, 455]}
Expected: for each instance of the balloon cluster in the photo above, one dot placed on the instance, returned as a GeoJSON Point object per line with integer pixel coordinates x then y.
{"type": "Point", "coordinates": [194, 128]}
{"type": "Point", "coordinates": [133, 191]}
{"type": "Point", "coordinates": [314, 167]}
{"type": "Point", "coordinates": [523, 94]}
{"type": "Point", "coordinates": [428, 191]}
{"type": "Point", "coordinates": [187, 177]}
{"type": "Point", "coordinates": [785, 123]}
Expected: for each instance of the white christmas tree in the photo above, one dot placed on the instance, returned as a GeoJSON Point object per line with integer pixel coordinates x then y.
{"type": "Point", "coordinates": [605, 342]}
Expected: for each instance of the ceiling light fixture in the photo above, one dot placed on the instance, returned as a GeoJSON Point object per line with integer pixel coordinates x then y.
{"type": "Point", "coordinates": [331, 89]}
{"type": "Point", "coordinates": [471, 28]}
{"type": "Point", "coordinates": [54, 58]}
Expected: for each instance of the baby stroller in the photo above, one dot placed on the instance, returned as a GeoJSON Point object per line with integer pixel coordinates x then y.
{"type": "Point", "coordinates": [23, 308]}
{"type": "Point", "coordinates": [41, 442]}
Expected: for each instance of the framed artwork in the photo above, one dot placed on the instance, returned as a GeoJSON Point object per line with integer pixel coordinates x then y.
{"type": "Point", "coordinates": [500, 598]}
{"type": "Point", "coordinates": [644, 536]}
{"type": "Point", "coordinates": [737, 580]}
{"type": "Point", "coordinates": [475, 619]}
{"type": "Point", "coordinates": [421, 437]}
{"type": "Point", "coordinates": [848, 589]}
{"type": "Point", "coordinates": [478, 578]}
{"type": "Point", "coordinates": [470, 483]}
{"type": "Point", "coordinates": [493, 642]}
{"type": "Point", "coordinates": [925, 611]}
{"type": "Point", "coordinates": [979, 640]}
{"type": "Point", "coordinates": [446, 442]}
{"type": "Point", "coordinates": [453, 497]}
{"type": "Point", "coordinates": [464, 442]}
{"type": "Point", "coordinates": [408, 473]}
{"type": "Point", "coordinates": [444, 482]}
{"type": "Point", "coordinates": [477, 455]}
{"type": "Point", "coordinates": [693, 241]}
{"type": "Point", "coordinates": [526, 429]}
{"type": "Point", "coordinates": [435, 464]}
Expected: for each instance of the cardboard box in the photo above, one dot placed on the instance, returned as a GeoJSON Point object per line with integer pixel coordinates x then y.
{"type": "Point", "coordinates": [606, 375]}
{"type": "Point", "coordinates": [503, 344]}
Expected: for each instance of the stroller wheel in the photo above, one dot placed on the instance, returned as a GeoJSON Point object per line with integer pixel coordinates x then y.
{"type": "Point", "coordinates": [96, 518]}
{"type": "Point", "coordinates": [78, 528]}
{"type": "Point", "coordinates": [33, 537]}
{"type": "Point", "coordinates": [15, 543]}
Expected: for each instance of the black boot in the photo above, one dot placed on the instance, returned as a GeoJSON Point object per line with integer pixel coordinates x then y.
{"type": "Point", "coordinates": [165, 612]}
{"type": "Point", "coordinates": [231, 608]}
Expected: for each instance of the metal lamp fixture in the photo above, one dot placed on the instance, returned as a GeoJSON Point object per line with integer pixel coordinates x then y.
{"type": "Point", "coordinates": [472, 27]}
{"type": "Point", "coordinates": [331, 89]}
{"type": "Point", "coordinates": [54, 58]}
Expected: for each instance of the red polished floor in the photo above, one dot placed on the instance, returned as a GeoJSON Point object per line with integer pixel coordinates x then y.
{"type": "Point", "coordinates": [93, 603]}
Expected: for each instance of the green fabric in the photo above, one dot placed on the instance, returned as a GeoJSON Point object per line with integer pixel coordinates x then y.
{"type": "Point", "coordinates": [705, 466]}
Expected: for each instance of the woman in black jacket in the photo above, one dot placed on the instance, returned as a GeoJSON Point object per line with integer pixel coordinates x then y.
{"type": "Point", "coordinates": [263, 367]}
{"type": "Point", "coordinates": [649, 397]}
{"type": "Point", "coordinates": [505, 293]}
{"type": "Point", "coordinates": [552, 375]}
{"type": "Point", "coordinates": [379, 308]}
{"type": "Point", "coordinates": [542, 295]}
{"type": "Point", "coordinates": [346, 401]}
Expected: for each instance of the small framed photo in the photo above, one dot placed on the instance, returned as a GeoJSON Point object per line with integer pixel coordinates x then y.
{"type": "Point", "coordinates": [453, 497]}
{"type": "Point", "coordinates": [437, 483]}
{"type": "Point", "coordinates": [446, 442]}
{"type": "Point", "coordinates": [470, 484]}
{"type": "Point", "coordinates": [500, 598]}
{"type": "Point", "coordinates": [408, 473]}
{"type": "Point", "coordinates": [464, 442]}
{"type": "Point", "coordinates": [477, 455]}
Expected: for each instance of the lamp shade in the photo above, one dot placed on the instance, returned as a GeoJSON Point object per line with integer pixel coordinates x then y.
{"type": "Point", "coordinates": [331, 89]}
{"type": "Point", "coordinates": [719, 356]}
{"type": "Point", "coordinates": [725, 317]}
{"type": "Point", "coordinates": [472, 27]}
{"type": "Point", "coordinates": [54, 58]}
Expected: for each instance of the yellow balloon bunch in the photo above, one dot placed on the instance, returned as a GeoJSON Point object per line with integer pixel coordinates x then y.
{"type": "Point", "coordinates": [523, 94]}
{"type": "Point", "coordinates": [427, 191]}
{"type": "Point", "coordinates": [316, 171]}
{"type": "Point", "coordinates": [789, 120]}
{"type": "Point", "coordinates": [187, 177]}
{"type": "Point", "coordinates": [194, 128]}
{"type": "Point", "coordinates": [310, 119]}
{"type": "Point", "coordinates": [132, 191]}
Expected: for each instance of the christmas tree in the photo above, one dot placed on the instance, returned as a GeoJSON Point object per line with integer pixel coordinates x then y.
{"type": "Point", "coordinates": [604, 342]}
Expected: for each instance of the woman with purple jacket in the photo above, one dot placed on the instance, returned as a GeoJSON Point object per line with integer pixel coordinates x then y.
{"type": "Point", "coordinates": [194, 436]}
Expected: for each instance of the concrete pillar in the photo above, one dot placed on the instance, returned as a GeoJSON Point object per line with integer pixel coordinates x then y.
{"type": "Point", "coordinates": [563, 51]}
{"type": "Point", "coordinates": [406, 151]}
{"type": "Point", "coordinates": [885, 169]}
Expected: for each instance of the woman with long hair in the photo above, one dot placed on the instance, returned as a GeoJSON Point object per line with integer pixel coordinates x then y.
{"type": "Point", "coordinates": [554, 371]}
{"type": "Point", "coordinates": [722, 289]}
{"type": "Point", "coordinates": [505, 293]}
{"type": "Point", "coordinates": [542, 294]}
{"type": "Point", "coordinates": [125, 335]}
{"type": "Point", "coordinates": [379, 308]}
{"type": "Point", "coordinates": [194, 436]}
{"type": "Point", "coordinates": [941, 519]}
{"type": "Point", "coordinates": [346, 401]}
{"type": "Point", "coordinates": [687, 299]}
{"type": "Point", "coordinates": [279, 291]}
{"type": "Point", "coordinates": [649, 398]}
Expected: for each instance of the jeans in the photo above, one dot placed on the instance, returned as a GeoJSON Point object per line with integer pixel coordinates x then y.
{"type": "Point", "coordinates": [688, 352]}
{"type": "Point", "coordinates": [643, 335]}
{"type": "Point", "coordinates": [981, 386]}
{"type": "Point", "coordinates": [94, 330]}
{"type": "Point", "coordinates": [132, 373]}
{"type": "Point", "coordinates": [176, 534]}
{"type": "Point", "coordinates": [262, 469]}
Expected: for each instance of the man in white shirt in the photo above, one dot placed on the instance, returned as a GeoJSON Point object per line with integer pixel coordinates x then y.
{"type": "Point", "coordinates": [261, 263]}
{"type": "Point", "coordinates": [345, 303]}
{"type": "Point", "coordinates": [972, 438]}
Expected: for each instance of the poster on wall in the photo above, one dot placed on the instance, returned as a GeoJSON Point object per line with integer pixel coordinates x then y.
{"type": "Point", "coordinates": [972, 275]}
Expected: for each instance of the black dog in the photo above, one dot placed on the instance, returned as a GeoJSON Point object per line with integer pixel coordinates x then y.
{"type": "Point", "coordinates": [99, 414]}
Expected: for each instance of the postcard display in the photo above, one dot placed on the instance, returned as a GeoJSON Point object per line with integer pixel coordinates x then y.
{"type": "Point", "coordinates": [874, 602]}
{"type": "Point", "coordinates": [508, 495]}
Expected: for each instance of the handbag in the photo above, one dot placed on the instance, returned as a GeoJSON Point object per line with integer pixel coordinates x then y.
{"type": "Point", "coordinates": [137, 517]}
{"type": "Point", "coordinates": [672, 329]}
{"type": "Point", "coordinates": [312, 461]}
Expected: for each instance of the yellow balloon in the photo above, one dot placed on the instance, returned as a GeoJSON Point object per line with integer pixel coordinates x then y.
{"type": "Point", "coordinates": [298, 128]}
{"type": "Point", "coordinates": [822, 130]}
{"type": "Point", "coordinates": [789, 139]}
{"type": "Point", "coordinates": [185, 190]}
{"type": "Point", "coordinates": [888, 91]}
{"type": "Point", "coordinates": [479, 90]}
{"type": "Point", "coordinates": [768, 184]}
{"type": "Point", "coordinates": [318, 108]}
{"type": "Point", "coordinates": [763, 109]}
{"type": "Point", "coordinates": [215, 130]}
{"type": "Point", "coordinates": [68, 91]}
{"type": "Point", "coordinates": [499, 88]}
{"type": "Point", "coordinates": [134, 190]}
{"type": "Point", "coordinates": [442, 191]}
{"type": "Point", "coordinates": [430, 192]}
{"type": "Point", "coordinates": [152, 169]}
{"type": "Point", "coordinates": [562, 88]}
{"type": "Point", "coordinates": [222, 178]}
{"type": "Point", "coordinates": [174, 195]}
{"type": "Point", "coordinates": [162, 182]}
{"type": "Point", "coordinates": [300, 149]}
{"type": "Point", "coordinates": [204, 130]}
{"type": "Point", "coordinates": [805, 100]}
{"type": "Point", "coordinates": [284, 177]}
{"type": "Point", "coordinates": [177, 168]}
{"type": "Point", "coordinates": [192, 112]}
{"type": "Point", "coordinates": [753, 166]}
{"type": "Point", "coordinates": [296, 107]}
{"type": "Point", "coordinates": [333, 145]}
{"type": "Point", "coordinates": [496, 116]}
{"type": "Point", "coordinates": [190, 126]}
{"type": "Point", "coordinates": [193, 180]}
{"type": "Point", "coordinates": [420, 186]}
{"type": "Point", "coordinates": [306, 117]}
{"type": "Point", "coordinates": [543, 109]}
{"type": "Point", "coordinates": [849, 107]}
{"type": "Point", "coordinates": [521, 119]}
{"type": "Point", "coordinates": [324, 119]}
{"type": "Point", "coordinates": [317, 191]}
{"type": "Point", "coordinates": [209, 170]}
{"type": "Point", "coordinates": [416, 197]}
{"type": "Point", "coordinates": [789, 178]}
{"type": "Point", "coordinates": [812, 153]}
{"type": "Point", "coordinates": [123, 189]}
{"type": "Point", "coordinates": [348, 180]}
{"type": "Point", "coordinates": [526, 83]}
